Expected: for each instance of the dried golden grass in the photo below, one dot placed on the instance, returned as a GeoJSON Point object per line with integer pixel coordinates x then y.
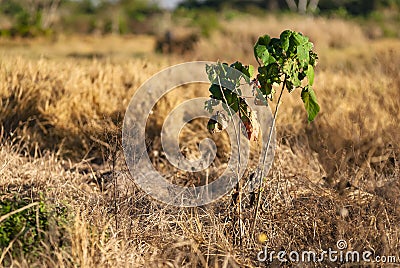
{"type": "Point", "coordinates": [299, 212]}
{"type": "Point", "coordinates": [234, 41]}
{"type": "Point", "coordinates": [336, 178]}
{"type": "Point", "coordinates": [66, 105]}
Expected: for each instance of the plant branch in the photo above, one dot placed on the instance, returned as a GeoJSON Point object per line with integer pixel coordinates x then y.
{"type": "Point", "coordinates": [239, 184]}
{"type": "Point", "coordinates": [2, 218]}
{"type": "Point", "coordinates": [231, 117]}
{"type": "Point", "coordinates": [260, 178]}
{"type": "Point", "coordinates": [3, 254]}
{"type": "Point", "coordinates": [237, 133]}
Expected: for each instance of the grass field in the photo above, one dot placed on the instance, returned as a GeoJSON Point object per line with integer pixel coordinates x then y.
{"type": "Point", "coordinates": [62, 107]}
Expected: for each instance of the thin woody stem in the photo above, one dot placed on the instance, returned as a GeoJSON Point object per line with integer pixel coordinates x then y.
{"type": "Point", "coordinates": [265, 157]}
{"type": "Point", "coordinates": [237, 133]}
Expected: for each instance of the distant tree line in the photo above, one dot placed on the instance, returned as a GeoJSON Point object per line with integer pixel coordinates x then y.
{"type": "Point", "coordinates": [45, 17]}
{"type": "Point", "coordinates": [353, 7]}
{"type": "Point", "coordinates": [37, 17]}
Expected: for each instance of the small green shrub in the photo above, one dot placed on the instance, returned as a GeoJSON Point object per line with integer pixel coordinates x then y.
{"type": "Point", "coordinates": [27, 226]}
{"type": "Point", "coordinates": [287, 62]}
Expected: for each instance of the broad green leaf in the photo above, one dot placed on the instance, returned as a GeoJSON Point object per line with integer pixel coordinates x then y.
{"type": "Point", "coordinates": [267, 76]}
{"type": "Point", "coordinates": [310, 75]}
{"type": "Point", "coordinates": [275, 49]}
{"type": "Point", "coordinates": [227, 82]}
{"type": "Point", "coordinates": [247, 70]}
{"type": "Point", "coordinates": [295, 80]}
{"type": "Point", "coordinates": [263, 54]}
{"type": "Point", "coordinates": [216, 91]}
{"type": "Point", "coordinates": [262, 50]}
{"type": "Point", "coordinates": [299, 38]}
{"type": "Point", "coordinates": [291, 70]}
{"type": "Point", "coordinates": [240, 67]}
{"type": "Point", "coordinates": [290, 55]}
{"type": "Point", "coordinates": [259, 50]}
{"type": "Point", "coordinates": [223, 68]}
{"type": "Point", "coordinates": [237, 65]}
{"type": "Point", "coordinates": [303, 55]}
{"type": "Point", "coordinates": [270, 71]}
{"type": "Point", "coordinates": [232, 107]}
{"type": "Point", "coordinates": [310, 103]}
{"type": "Point", "coordinates": [229, 97]}
{"type": "Point", "coordinates": [271, 59]}
{"type": "Point", "coordinates": [262, 41]}
{"type": "Point", "coordinates": [285, 39]}
{"type": "Point", "coordinates": [275, 43]}
{"type": "Point", "coordinates": [266, 87]}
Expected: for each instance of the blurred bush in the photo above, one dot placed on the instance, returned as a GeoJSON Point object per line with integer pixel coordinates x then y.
{"type": "Point", "coordinates": [37, 17]}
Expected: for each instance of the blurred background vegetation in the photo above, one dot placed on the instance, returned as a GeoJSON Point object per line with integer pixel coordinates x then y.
{"type": "Point", "coordinates": [30, 18]}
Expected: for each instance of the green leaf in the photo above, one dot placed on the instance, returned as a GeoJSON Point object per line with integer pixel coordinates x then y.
{"type": "Point", "coordinates": [216, 91]}
{"type": "Point", "coordinates": [303, 55]}
{"type": "Point", "coordinates": [267, 76]}
{"type": "Point", "coordinates": [308, 45]}
{"type": "Point", "coordinates": [261, 50]}
{"type": "Point", "coordinates": [285, 39]}
{"type": "Point", "coordinates": [263, 54]}
{"type": "Point", "coordinates": [227, 82]}
{"type": "Point", "coordinates": [295, 80]}
{"type": "Point", "coordinates": [262, 41]}
{"type": "Point", "coordinates": [310, 103]}
{"type": "Point", "coordinates": [275, 43]}
{"type": "Point", "coordinates": [247, 70]}
{"type": "Point", "coordinates": [270, 73]}
{"type": "Point", "coordinates": [251, 71]}
{"type": "Point", "coordinates": [299, 38]}
{"type": "Point", "coordinates": [230, 99]}
{"type": "Point", "coordinates": [287, 67]}
{"type": "Point", "coordinates": [310, 75]}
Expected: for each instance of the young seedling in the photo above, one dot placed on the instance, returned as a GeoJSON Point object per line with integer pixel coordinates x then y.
{"type": "Point", "coordinates": [284, 62]}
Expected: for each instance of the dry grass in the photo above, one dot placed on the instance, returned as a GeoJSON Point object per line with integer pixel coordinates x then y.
{"type": "Point", "coordinates": [337, 178]}
{"type": "Point", "coordinates": [234, 39]}
{"type": "Point", "coordinates": [79, 47]}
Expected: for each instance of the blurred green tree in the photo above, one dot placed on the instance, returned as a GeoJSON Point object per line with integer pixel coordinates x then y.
{"type": "Point", "coordinates": [353, 7]}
